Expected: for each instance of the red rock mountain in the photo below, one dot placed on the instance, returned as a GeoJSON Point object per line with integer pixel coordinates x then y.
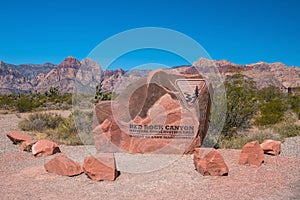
{"type": "Point", "coordinates": [30, 77]}
{"type": "Point", "coordinates": [62, 76]}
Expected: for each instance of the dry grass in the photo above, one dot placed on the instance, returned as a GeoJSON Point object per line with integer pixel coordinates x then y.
{"type": "Point", "coordinates": [56, 128]}
{"type": "Point", "coordinates": [244, 137]}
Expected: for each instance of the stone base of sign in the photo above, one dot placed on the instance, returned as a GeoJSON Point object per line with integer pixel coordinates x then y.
{"type": "Point", "coordinates": [164, 113]}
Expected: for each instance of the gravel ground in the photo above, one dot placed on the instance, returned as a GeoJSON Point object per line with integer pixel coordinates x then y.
{"type": "Point", "coordinates": [24, 177]}
{"type": "Point", "coordinates": [291, 147]}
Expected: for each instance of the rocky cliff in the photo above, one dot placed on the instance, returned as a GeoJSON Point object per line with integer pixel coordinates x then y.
{"type": "Point", "coordinates": [31, 77]}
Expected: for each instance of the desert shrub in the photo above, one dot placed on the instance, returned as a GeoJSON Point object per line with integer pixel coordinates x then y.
{"type": "Point", "coordinates": [25, 104]}
{"type": "Point", "coordinates": [6, 101]}
{"type": "Point", "coordinates": [239, 140]}
{"type": "Point", "coordinates": [294, 101]}
{"type": "Point", "coordinates": [269, 93]}
{"type": "Point", "coordinates": [65, 133]}
{"type": "Point", "coordinates": [242, 104]}
{"type": "Point", "coordinates": [288, 130]}
{"type": "Point", "coordinates": [40, 122]}
{"type": "Point", "coordinates": [52, 92]}
{"type": "Point", "coordinates": [271, 112]}
{"type": "Point", "coordinates": [104, 96]}
{"type": "Point", "coordinates": [84, 124]}
{"type": "Point", "coordinates": [98, 94]}
{"type": "Point", "coordinates": [58, 129]}
{"type": "Point", "coordinates": [109, 96]}
{"type": "Point", "coordinates": [36, 101]}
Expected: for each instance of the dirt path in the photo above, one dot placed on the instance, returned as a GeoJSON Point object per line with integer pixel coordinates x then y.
{"type": "Point", "coordinates": [23, 176]}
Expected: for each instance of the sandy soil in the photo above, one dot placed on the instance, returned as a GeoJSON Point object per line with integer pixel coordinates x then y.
{"type": "Point", "coordinates": [24, 177]}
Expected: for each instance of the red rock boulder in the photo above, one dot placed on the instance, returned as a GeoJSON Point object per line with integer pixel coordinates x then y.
{"type": "Point", "coordinates": [44, 148]}
{"type": "Point", "coordinates": [252, 154]}
{"type": "Point", "coordinates": [166, 112]}
{"type": "Point", "coordinates": [17, 137]}
{"type": "Point", "coordinates": [27, 145]}
{"type": "Point", "coordinates": [211, 163]}
{"type": "Point", "coordinates": [62, 165]}
{"type": "Point", "coordinates": [271, 147]}
{"type": "Point", "coordinates": [101, 167]}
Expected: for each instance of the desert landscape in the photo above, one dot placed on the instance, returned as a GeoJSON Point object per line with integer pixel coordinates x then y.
{"type": "Point", "coordinates": [24, 176]}
{"type": "Point", "coordinates": [150, 100]}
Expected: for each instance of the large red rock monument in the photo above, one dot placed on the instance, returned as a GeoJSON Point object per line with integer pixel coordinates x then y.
{"type": "Point", "coordinates": [166, 112]}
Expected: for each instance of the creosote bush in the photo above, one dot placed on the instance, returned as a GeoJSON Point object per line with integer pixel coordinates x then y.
{"type": "Point", "coordinates": [34, 101]}
{"type": "Point", "coordinates": [40, 122]}
{"type": "Point", "coordinates": [242, 104]}
{"type": "Point", "coordinates": [271, 112]}
{"type": "Point", "coordinates": [294, 100]}
{"type": "Point", "coordinates": [58, 129]}
{"type": "Point", "coordinates": [266, 108]}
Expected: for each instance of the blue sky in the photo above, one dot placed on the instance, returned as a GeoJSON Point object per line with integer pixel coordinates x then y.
{"type": "Point", "coordinates": [240, 31]}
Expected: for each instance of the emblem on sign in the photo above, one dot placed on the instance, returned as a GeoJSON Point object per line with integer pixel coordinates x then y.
{"type": "Point", "coordinates": [190, 90]}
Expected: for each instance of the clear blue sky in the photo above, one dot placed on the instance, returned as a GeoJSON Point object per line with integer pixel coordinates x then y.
{"type": "Point", "coordinates": [240, 31]}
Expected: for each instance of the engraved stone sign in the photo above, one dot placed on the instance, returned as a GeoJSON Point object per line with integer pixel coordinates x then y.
{"type": "Point", "coordinates": [166, 112]}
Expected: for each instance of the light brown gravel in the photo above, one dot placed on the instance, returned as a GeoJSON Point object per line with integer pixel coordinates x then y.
{"type": "Point", "coordinates": [24, 177]}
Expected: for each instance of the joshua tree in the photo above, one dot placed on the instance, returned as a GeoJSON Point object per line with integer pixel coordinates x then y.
{"type": "Point", "coordinates": [99, 94]}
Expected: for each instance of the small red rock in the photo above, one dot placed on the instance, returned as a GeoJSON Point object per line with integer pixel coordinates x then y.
{"type": "Point", "coordinates": [211, 163]}
{"type": "Point", "coordinates": [252, 154]}
{"type": "Point", "coordinates": [27, 143]}
{"type": "Point", "coordinates": [62, 165]}
{"type": "Point", "coordinates": [17, 136]}
{"type": "Point", "coordinates": [100, 167]}
{"type": "Point", "coordinates": [45, 148]}
{"type": "Point", "coordinates": [271, 147]}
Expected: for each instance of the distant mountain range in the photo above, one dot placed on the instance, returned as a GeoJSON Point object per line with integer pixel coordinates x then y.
{"type": "Point", "coordinates": [40, 77]}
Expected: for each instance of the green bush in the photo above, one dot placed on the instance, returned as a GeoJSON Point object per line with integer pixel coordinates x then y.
{"type": "Point", "coordinates": [36, 101]}
{"type": "Point", "coordinates": [269, 93]}
{"type": "Point", "coordinates": [242, 104]}
{"type": "Point", "coordinates": [294, 101]}
{"type": "Point", "coordinates": [109, 96]}
{"type": "Point", "coordinates": [100, 95]}
{"type": "Point", "coordinates": [6, 101]}
{"type": "Point", "coordinates": [25, 104]}
{"type": "Point", "coordinates": [271, 112]}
